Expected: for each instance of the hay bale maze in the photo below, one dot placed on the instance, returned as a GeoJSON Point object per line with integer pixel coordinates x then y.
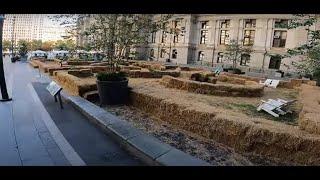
{"type": "Point", "coordinates": [213, 89]}
{"type": "Point", "coordinates": [246, 134]}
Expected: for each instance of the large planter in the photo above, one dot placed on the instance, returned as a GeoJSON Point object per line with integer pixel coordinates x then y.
{"type": "Point", "coordinates": [113, 92]}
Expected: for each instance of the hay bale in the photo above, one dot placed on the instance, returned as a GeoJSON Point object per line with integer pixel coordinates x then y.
{"type": "Point", "coordinates": [74, 85]}
{"type": "Point", "coordinates": [81, 73]}
{"type": "Point", "coordinates": [213, 89]}
{"type": "Point", "coordinates": [249, 78]}
{"type": "Point", "coordinates": [33, 64]}
{"type": "Point", "coordinates": [52, 69]}
{"type": "Point", "coordinates": [74, 62]}
{"type": "Point", "coordinates": [286, 84]}
{"type": "Point", "coordinates": [233, 80]}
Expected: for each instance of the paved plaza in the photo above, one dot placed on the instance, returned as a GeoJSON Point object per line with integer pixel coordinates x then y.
{"type": "Point", "coordinates": [34, 131]}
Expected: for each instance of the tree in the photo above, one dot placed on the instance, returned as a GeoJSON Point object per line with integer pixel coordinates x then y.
{"type": "Point", "coordinates": [234, 51]}
{"type": "Point", "coordinates": [35, 45]}
{"type": "Point", "coordinates": [117, 34]}
{"type": "Point", "coordinates": [309, 52]}
{"type": "Point", "coordinates": [23, 47]}
{"type": "Point", "coordinates": [47, 46]}
{"type": "Point", "coordinates": [6, 45]}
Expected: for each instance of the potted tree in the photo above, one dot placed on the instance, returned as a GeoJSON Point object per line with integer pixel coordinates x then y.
{"type": "Point", "coordinates": [116, 35]}
{"type": "Point", "coordinates": [112, 88]}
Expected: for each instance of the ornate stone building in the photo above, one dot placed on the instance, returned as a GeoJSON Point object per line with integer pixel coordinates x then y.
{"type": "Point", "coordinates": [203, 37]}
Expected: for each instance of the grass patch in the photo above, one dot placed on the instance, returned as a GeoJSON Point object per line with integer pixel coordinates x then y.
{"type": "Point", "coordinates": [251, 110]}
{"type": "Point", "coordinates": [292, 95]}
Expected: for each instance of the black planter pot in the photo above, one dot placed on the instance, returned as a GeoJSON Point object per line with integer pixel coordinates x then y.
{"type": "Point", "coordinates": [113, 92]}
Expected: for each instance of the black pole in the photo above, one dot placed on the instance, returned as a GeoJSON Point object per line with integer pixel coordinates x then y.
{"type": "Point", "coordinates": [3, 86]}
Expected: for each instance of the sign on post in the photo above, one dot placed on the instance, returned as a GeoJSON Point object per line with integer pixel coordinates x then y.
{"type": "Point", "coordinates": [55, 90]}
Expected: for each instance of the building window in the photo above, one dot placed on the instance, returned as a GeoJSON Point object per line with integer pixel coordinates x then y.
{"type": "Point", "coordinates": [220, 57]}
{"type": "Point", "coordinates": [275, 62]}
{"type": "Point", "coordinates": [162, 53]}
{"type": "Point", "coordinates": [245, 58]}
{"type": "Point", "coordinates": [224, 37]}
{"type": "Point", "coordinates": [225, 24]}
{"type": "Point", "coordinates": [174, 54]}
{"type": "Point", "coordinates": [250, 23]}
{"type": "Point", "coordinates": [153, 37]}
{"type": "Point", "coordinates": [281, 23]}
{"type": "Point", "coordinates": [279, 38]}
{"type": "Point", "coordinates": [248, 37]}
{"type": "Point", "coordinates": [203, 36]}
{"type": "Point", "coordinates": [175, 38]}
{"type": "Point", "coordinates": [204, 32]}
{"type": "Point", "coordinates": [200, 56]}
{"type": "Point", "coordinates": [152, 53]}
{"type": "Point", "coordinates": [164, 37]}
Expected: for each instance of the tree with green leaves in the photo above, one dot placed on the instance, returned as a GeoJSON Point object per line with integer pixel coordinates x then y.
{"type": "Point", "coordinates": [47, 46]}
{"type": "Point", "coordinates": [117, 34]}
{"type": "Point", "coordinates": [6, 45]}
{"type": "Point", "coordinates": [35, 45]}
{"type": "Point", "coordinates": [234, 51]}
{"type": "Point", "coordinates": [309, 53]}
{"type": "Point", "coordinates": [23, 47]}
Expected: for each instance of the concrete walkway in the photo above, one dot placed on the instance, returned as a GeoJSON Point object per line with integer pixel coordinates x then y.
{"type": "Point", "coordinates": [26, 128]}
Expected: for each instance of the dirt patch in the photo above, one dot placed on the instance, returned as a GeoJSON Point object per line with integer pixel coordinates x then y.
{"type": "Point", "coordinates": [309, 119]}
{"type": "Point", "coordinates": [205, 149]}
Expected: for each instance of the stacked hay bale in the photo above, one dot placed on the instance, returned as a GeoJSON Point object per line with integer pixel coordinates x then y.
{"type": "Point", "coordinates": [230, 79]}
{"type": "Point", "coordinates": [213, 89]}
{"type": "Point", "coordinates": [81, 73]}
{"type": "Point", "coordinates": [52, 69]}
{"type": "Point", "coordinates": [145, 73]}
{"type": "Point", "coordinates": [249, 78]}
{"type": "Point", "coordinates": [33, 64]}
{"type": "Point", "coordinates": [74, 62]}
{"type": "Point", "coordinates": [74, 85]}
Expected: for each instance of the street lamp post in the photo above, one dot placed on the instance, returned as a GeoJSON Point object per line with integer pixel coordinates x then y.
{"type": "Point", "coordinates": [3, 86]}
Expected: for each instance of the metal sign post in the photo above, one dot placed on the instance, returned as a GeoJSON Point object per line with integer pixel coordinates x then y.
{"type": "Point", "coordinates": [55, 91]}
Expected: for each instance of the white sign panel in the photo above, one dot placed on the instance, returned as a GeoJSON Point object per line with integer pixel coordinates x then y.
{"type": "Point", "coordinates": [53, 88]}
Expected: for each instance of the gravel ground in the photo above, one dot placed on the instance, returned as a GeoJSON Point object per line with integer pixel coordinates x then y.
{"type": "Point", "coordinates": [208, 150]}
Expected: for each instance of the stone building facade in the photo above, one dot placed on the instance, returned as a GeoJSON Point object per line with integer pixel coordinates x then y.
{"type": "Point", "coordinates": [203, 38]}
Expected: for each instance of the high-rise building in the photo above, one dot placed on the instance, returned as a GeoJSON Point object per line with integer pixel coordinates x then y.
{"type": "Point", "coordinates": [31, 27]}
{"type": "Point", "coordinates": [23, 27]}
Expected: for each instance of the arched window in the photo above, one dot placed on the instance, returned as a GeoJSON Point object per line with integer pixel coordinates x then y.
{"type": "Point", "coordinates": [152, 53]}
{"type": "Point", "coordinates": [162, 53]}
{"type": "Point", "coordinates": [200, 56]}
{"type": "Point", "coordinates": [220, 57]}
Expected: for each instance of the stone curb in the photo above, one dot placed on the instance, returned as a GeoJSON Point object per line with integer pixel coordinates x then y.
{"type": "Point", "coordinates": [147, 148]}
